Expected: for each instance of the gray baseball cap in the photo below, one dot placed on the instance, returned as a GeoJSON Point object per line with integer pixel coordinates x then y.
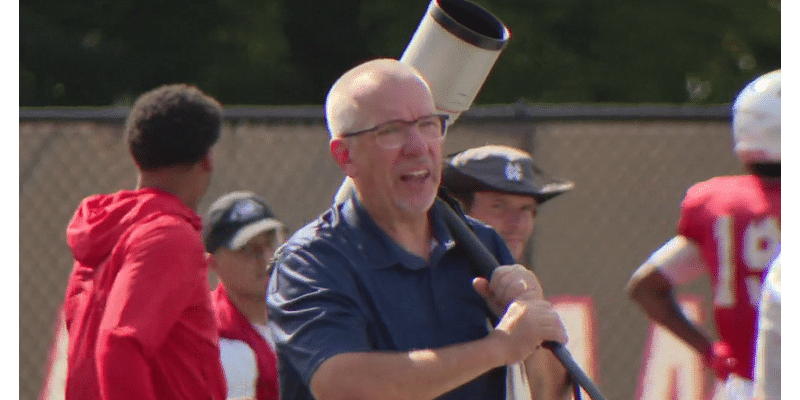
{"type": "Point", "coordinates": [502, 169]}
{"type": "Point", "coordinates": [234, 219]}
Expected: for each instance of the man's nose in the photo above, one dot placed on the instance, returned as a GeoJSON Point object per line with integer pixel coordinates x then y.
{"type": "Point", "coordinates": [415, 141]}
{"type": "Point", "coordinates": [514, 217]}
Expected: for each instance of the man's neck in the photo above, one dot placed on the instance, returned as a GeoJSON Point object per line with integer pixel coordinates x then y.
{"type": "Point", "coordinates": [253, 307]}
{"type": "Point", "coordinates": [412, 231]}
{"type": "Point", "coordinates": [170, 183]}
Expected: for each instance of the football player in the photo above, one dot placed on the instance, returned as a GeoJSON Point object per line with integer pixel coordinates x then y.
{"type": "Point", "coordinates": [729, 228]}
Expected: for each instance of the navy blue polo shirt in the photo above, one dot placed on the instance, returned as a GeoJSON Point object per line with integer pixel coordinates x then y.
{"type": "Point", "coordinates": [342, 285]}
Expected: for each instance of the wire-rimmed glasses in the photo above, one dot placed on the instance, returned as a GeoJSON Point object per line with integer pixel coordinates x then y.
{"type": "Point", "coordinates": [394, 134]}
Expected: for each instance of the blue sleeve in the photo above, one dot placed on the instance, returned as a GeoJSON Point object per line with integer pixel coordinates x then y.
{"type": "Point", "coordinates": [313, 309]}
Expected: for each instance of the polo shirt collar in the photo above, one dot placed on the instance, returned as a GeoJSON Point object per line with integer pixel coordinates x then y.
{"type": "Point", "coordinates": [380, 249]}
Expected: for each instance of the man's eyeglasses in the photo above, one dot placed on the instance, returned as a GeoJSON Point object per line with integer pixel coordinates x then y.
{"type": "Point", "coordinates": [394, 134]}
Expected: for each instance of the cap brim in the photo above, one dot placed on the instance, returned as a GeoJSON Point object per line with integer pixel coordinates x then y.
{"type": "Point", "coordinates": [252, 230]}
{"type": "Point", "coordinates": [553, 189]}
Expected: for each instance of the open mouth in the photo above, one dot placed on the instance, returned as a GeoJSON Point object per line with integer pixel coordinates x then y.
{"type": "Point", "coordinates": [417, 176]}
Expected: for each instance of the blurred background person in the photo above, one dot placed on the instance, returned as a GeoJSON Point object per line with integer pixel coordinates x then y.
{"type": "Point", "coordinates": [729, 228]}
{"type": "Point", "coordinates": [241, 234]}
{"type": "Point", "coordinates": [137, 310]}
{"type": "Point", "coordinates": [502, 187]}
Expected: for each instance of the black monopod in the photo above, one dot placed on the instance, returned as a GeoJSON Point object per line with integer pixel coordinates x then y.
{"type": "Point", "coordinates": [485, 263]}
{"type": "Point", "coordinates": [454, 48]}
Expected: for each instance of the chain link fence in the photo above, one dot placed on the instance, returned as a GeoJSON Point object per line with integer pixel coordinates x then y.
{"type": "Point", "coordinates": [631, 167]}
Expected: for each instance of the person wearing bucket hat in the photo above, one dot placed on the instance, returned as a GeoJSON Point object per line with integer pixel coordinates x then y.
{"type": "Point", "coordinates": [241, 234]}
{"type": "Point", "coordinates": [502, 187]}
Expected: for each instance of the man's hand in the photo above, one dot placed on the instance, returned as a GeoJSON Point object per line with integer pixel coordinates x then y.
{"type": "Point", "coordinates": [720, 360]}
{"type": "Point", "coordinates": [525, 325]}
{"type": "Point", "coordinates": [509, 283]}
{"type": "Point", "coordinates": [527, 320]}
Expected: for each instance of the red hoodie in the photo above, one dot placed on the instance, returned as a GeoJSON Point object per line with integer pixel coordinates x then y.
{"type": "Point", "coordinates": [137, 310]}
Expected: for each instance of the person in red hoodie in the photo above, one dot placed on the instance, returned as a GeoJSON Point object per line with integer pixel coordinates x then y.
{"type": "Point", "coordinates": [241, 234]}
{"type": "Point", "coordinates": [139, 320]}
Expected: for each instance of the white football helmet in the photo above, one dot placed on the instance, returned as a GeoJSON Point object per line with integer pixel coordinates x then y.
{"type": "Point", "coordinates": [757, 120]}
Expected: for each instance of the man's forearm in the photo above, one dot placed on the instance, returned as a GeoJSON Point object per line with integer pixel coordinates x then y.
{"type": "Point", "coordinates": [653, 295]}
{"type": "Point", "coordinates": [419, 374]}
{"type": "Point", "coordinates": [676, 322]}
{"type": "Point", "coordinates": [548, 379]}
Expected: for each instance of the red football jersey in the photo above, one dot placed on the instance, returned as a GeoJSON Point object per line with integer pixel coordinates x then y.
{"type": "Point", "coordinates": [736, 222]}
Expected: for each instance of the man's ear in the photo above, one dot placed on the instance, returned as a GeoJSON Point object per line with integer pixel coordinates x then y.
{"type": "Point", "coordinates": [206, 163]}
{"type": "Point", "coordinates": [341, 154]}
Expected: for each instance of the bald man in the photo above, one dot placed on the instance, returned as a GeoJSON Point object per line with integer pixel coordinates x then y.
{"type": "Point", "coordinates": [373, 299]}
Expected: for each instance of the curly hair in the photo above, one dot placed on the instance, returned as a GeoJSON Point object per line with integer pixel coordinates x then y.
{"type": "Point", "coordinates": [172, 125]}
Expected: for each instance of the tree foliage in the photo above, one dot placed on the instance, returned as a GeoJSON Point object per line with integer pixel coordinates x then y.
{"type": "Point", "coordinates": [269, 52]}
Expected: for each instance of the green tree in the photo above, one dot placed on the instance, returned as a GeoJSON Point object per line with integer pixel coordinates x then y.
{"type": "Point", "coordinates": [621, 51]}
{"type": "Point", "coordinates": [101, 52]}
